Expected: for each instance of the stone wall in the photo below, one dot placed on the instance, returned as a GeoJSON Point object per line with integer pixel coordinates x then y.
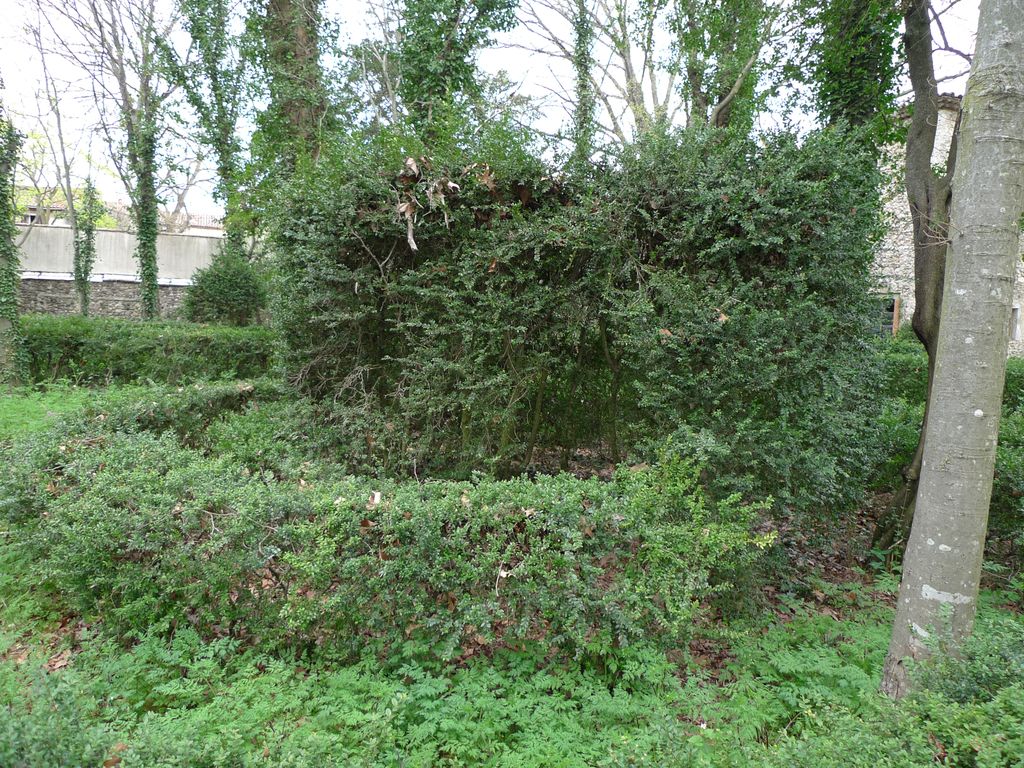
{"type": "Point", "coordinates": [107, 299]}
{"type": "Point", "coordinates": [894, 260]}
{"type": "Point", "coordinates": [47, 285]}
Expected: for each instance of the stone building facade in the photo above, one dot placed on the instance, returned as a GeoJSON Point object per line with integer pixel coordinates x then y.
{"type": "Point", "coordinates": [894, 260]}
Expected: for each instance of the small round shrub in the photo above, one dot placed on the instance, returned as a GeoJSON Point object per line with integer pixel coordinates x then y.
{"type": "Point", "coordinates": [227, 291]}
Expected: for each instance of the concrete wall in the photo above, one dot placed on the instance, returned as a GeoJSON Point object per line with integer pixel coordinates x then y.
{"type": "Point", "coordinates": [47, 269]}
{"type": "Point", "coordinates": [50, 250]}
{"type": "Point", "coordinates": [894, 260]}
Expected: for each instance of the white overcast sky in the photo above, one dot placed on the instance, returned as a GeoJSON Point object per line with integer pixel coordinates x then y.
{"type": "Point", "coordinates": [535, 75]}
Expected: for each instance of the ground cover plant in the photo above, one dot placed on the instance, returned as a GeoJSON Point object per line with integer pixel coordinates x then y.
{"type": "Point", "coordinates": [185, 581]}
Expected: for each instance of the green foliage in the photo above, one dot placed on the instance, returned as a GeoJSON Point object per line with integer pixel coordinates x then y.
{"type": "Point", "coordinates": [718, 44]}
{"type": "Point", "coordinates": [284, 40]}
{"type": "Point", "coordinates": [905, 376]}
{"type": "Point", "coordinates": [1006, 510]}
{"type": "Point", "coordinates": [714, 286]}
{"type": "Point", "coordinates": [992, 660]}
{"type": "Point", "coordinates": [690, 545]}
{"type": "Point", "coordinates": [182, 703]}
{"type": "Point", "coordinates": [98, 350]}
{"type": "Point", "coordinates": [222, 598]}
{"type": "Point", "coordinates": [214, 76]}
{"type": "Point", "coordinates": [748, 337]}
{"type": "Point", "coordinates": [46, 728]}
{"type": "Point", "coordinates": [439, 39]}
{"type": "Point", "coordinates": [87, 214]}
{"type": "Point", "coordinates": [856, 65]}
{"type": "Point", "coordinates": [146, 212]}
{"type": "Point", "coordinates": [899, 429]}
{"type": "Point", "coordinates": [228, 291]}
{"type": "Point", "coordinates": [12, 352]}
{"type": "Point", "coordinates": [128, 523]}
{"type": "Point", "coordinates": [584, 118]}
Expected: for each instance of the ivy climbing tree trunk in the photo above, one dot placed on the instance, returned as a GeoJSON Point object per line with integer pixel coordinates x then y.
{"type": "Point", "coordinates": [212, 74]}
{"type": "Point", "coordinates": [298, 101]}
{"type": "Point", "coordinates": [87, 215]}
{"type": "Point", "coordinates": [114, 42]}
{"type": "Point", "coordinates": [146, 212]}
{"type": "Point", "coordinates": [12, 359]}
{"type": "Point", "coordinates": [942, 565]}
{"type": "Point", "coordinates": [586, 103]}
{"type": "Point", "coordinates": [855, 71]}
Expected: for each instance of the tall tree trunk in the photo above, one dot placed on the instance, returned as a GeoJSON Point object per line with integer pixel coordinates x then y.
{"type": "Point", "coordinates": [586, 104]}
{"type": "Point", "coordinates": [942, 565]}
{"type": "Point", "coordinates": [84, 236]}
{"type": "Point", "coordinates": [297, 95]}
{"type": "Point", "coordinates": [11, 342]}
{"type": "Point", "coordinates": [147, 220]}
{"type": "Point", "coordinates": [929, 196]}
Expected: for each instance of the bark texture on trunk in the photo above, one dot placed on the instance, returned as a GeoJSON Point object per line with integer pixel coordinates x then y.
{"type": "Point", "coordinates": [929, 196]}
{"type": "Point", "coordinates": [942, 565]}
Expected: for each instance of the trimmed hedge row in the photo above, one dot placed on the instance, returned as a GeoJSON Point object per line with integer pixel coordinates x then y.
{"type": "Point", "coordinates": [148, 513]}
{"type": "Point", "coordinates": [105, 350]}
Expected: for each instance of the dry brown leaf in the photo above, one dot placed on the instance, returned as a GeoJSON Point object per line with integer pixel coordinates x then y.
{"type": "Point", "coordinates": [115, 752]}
{"type": "Point", "coordinates": [487, 179]}
{"type": "Point", "coordinates": [58, 660]}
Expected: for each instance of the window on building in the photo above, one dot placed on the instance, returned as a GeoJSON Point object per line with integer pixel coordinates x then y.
{"type": "Point", "coordinates": [888, 315]}
{"type": "Point", "coordinates": [1015, 324]}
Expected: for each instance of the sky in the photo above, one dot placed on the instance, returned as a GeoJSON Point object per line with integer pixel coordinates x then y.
{"type": "Point", "coordinates": [534, 74]}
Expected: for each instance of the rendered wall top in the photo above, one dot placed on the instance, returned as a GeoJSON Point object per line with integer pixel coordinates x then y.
{"type": "Point", "coordinates": [47, 253]}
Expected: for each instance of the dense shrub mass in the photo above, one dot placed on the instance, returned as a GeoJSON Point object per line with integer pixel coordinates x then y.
{"type": "Point", "coordinates": [104, 350]}
{"type": "Point", "coordinates": [228, 291]}
{"type": "Point", "coordinates": [126, 521]}
{"type": "Point", "coordinates": [711, 287]}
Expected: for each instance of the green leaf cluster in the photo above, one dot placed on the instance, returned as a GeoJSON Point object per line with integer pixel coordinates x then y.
{"type": "Point", "coordinates": [12, 351]}
{"type": "Point", "coordinates": [229, 290]}
{"type": "Point", "coordinates": [466, 307]}
{"type": "Point", "coordinates": [151, 520]}
{"type": "Point", "coordinates": [103, 350]}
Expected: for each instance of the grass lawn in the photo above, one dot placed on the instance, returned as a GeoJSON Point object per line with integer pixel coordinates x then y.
{"type": "Point", "coordinates": [25, 411]}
